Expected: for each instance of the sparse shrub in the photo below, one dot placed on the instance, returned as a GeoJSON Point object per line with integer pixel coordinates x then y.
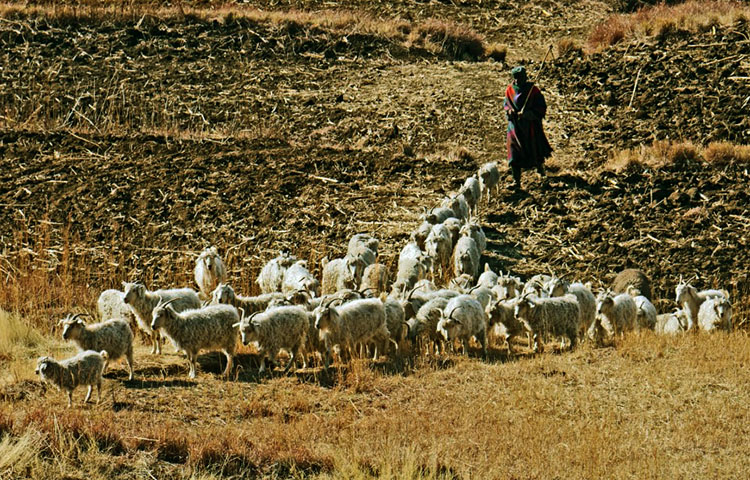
{"type": "Point", "coordinates": [664, 28]}
{"type": "Point", "coordinates": [18, 453]}
{"type": "Point", "coordinates": [453, 40]}
{"type": "Point", "coordinates": [722, 153]}
{"type": "Point", "coordinates": [611, 31]}
{"type": "Point", "coordinates": [568, 46]}
{"type": "Point", "coordinates": [683, 152]}
{"type": "Point", "coordinates": [496, 52]}
{"type": "Point", "coordinates": [666, 154]}
{"type": "Point", "coordinates": [664, 19]}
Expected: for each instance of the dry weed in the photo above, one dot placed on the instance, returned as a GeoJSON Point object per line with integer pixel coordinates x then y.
{"type": "Point", "coordinates": [496, 52]}
{"type": "Point", "coordinates": [663, 19]}
{"type": "Point", "coordinates": [665, 154]}
{"type": "Point", "coordinates": [723, 153]}
{"type": "Point", "coordinates": [568, 46]}
{"type": "Point", "coordinates": [451, 39]}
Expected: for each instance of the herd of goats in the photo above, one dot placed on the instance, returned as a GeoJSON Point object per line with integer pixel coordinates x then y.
{"type": "Point", "coordinates": [357, 308]}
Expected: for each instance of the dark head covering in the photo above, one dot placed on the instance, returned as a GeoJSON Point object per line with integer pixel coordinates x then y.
{"type": "Point", "coordinates": [518, 71]}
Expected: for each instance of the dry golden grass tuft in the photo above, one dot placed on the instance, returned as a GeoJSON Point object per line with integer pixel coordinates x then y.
{"type": "Point", "coordinates": [455, 40]}
{"type": "Point", "coordinates": [664, 154]}
{"type": "Point", "coordinates": [662, 19]}
{"type": "Point", "coordinates": [15, 334]}
{"type": "Point", "coordinates": [497, 52]}
{"type": "Point", "coordinates": [723, 153]}
{"type": "Point", "coordinates": [568, 46]}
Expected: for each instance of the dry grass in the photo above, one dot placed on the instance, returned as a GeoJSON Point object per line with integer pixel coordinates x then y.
{"type": "Point", "coordinates": [568, 46]}
{"type": "Point", "coordinates": [496, 52]}
{"type": "Point", "coordinates": [444, 38]}
{"type": "Point", "coordinates": [651, 407]}
{"type": "Point", "coordinates": [457, 41]}
{"type": "Point", "coordinates": [665, 154]}
{"type": "Point", "coordinates": [691, 16]}
{"type": "Point", "coordinates": [723, 153]}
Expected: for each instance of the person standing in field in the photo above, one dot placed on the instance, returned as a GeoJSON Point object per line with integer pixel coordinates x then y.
{"type": "Point", "coordinates": [525, 108]}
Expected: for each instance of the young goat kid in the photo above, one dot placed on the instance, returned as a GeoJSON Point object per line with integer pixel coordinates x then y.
{"type": "Point", "coordinates": [86, 368]}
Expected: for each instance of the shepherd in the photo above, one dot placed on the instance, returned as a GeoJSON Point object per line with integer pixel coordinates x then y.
{"type": "Point", "coordinates": [525, 108]}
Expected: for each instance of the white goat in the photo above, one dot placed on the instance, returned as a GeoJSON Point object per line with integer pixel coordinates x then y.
{"type": "Point", "coordinates": [437, 215]}
{"type": "Point", "coordinates": [463, 317]}
{"type": "Point", "coordinates": [671, 323]}
{"type": "Point", "coordinates": [355, 322]}
{"type": "Point", "coordinates": [339, 274]}
{"type": "Point", "coordinates": [466, 257]}
{"type": "Point", "coordinates": [86, 368]}
{"type": "Point", "coordinates": [690, 299]}
{"type": "Point", "coordinates": [474, 230]}
{"type": "Point", "coordinates": [423, 326]}
{"type": "Point", "coordinates": [376, 278]}
{"type": "Point", "coordinates": [113, 336]}
{"type": "Point", "coordinates": [488, 278]}
{"type": "Point", "coordinates": [209, 328]}
{"type": "Point", "coordinates": [472, 191]}
{"type": "Point", "coordinates": [558, 316]}
{"type": "Point", "coordinates": [614, 315]}
{"type": "Point", "coordinates": [459, 206]}
{"type": "Point", "coordinates": [297, 277]}
{"type": "Point", "coordinates": [413, 265]}
{"type": "Point", "coordinates": [439, 246]}
{"type": "Point", "coordinates": [557, 287]}
{"type": "Point", "coordinates": [142, 302]}
{"type": "Point", "coordinates": [489, 177]}
{"type": "Point", "coordinates": [715, 314]}
{"type": "Point", "coordinates": [272, 274]}
{"type": "Point", "coordinates": [209, 271]}
{"type": "Point", "coordinates": [225, 294]}
{"type": "Point", "coordinates": [502, 321]}
{"type": "Point", "coordinates": [274, 329]}
{"type": "Point", "coordinates": [453, 225]}
{"type": "Point", "coordinates": [419, 235]}
{"type": "Point", "coordinates": [360, 241]}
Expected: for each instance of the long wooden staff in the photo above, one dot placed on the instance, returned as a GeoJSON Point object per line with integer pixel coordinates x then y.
{"type": "Point", "coordinates": [538, 74]}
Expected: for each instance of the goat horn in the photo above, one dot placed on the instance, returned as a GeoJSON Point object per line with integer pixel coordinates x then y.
{"type": "Point", "coordinates": [413, 290]}
{"type": "Point", "coordinates": [242, 312]}
{"type": "Point", "coordinates": [328, 303]}
{"type": "Point", "coordinates": [450, 315]}
{"type": "Point", "coordinates": [167, 302]}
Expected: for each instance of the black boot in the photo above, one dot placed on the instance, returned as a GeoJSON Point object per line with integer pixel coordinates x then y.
{"type": "Point", "coordinates": [516, 178]}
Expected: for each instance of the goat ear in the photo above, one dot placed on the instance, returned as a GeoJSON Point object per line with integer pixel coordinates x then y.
{"type": "Point", "coordinates": [236, 325]}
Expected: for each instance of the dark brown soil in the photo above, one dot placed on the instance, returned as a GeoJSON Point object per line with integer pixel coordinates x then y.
{"type": "Point", "coordinates": [690, 86]}
{"type": "Point", "coordinates": [126, 148]}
